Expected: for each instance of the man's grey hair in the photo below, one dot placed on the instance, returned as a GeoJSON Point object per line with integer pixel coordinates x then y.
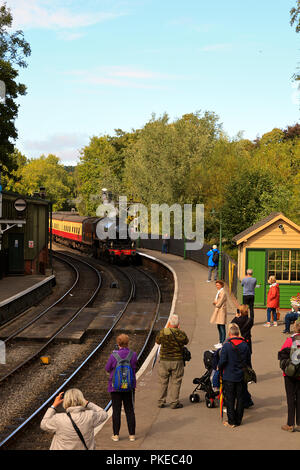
{"type": "Point", "coordinates": [250, 271]}
{"type": "Point", "coordinates": [174, 320]}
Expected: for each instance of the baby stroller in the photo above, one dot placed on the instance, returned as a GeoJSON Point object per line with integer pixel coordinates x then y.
{"type": "Point", "coordinates": [210, 359]}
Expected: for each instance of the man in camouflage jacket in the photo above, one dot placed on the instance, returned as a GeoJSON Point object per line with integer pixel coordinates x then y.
{"type": "Point", "coordinates": [171, 366]}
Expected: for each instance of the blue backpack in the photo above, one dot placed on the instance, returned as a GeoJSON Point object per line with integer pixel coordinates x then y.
{"type": "Point", "coordinates": [123, 377]}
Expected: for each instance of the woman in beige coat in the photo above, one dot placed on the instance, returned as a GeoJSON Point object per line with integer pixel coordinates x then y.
{"type": "Point", "coordinates": [219, 316]}
{"type": "Point", "coordinates": [85, 415]}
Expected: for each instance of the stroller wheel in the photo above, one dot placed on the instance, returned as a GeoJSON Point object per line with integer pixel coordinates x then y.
{"type": "Point", "coordinates": [210, 402]}
{"type": "Point", "coordinates": [194, 398]}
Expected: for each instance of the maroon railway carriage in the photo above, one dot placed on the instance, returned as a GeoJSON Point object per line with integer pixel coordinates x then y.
{"type": "Point", "coordinates": [79, 232]}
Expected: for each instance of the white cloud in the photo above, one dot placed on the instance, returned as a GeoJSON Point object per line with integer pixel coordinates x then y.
{"type": "Point", "coordinates": [118, 76]}
{"type": "Point", "coordinates": [46, 14]}
{"type": "Point", "coordinates": [65, 146]}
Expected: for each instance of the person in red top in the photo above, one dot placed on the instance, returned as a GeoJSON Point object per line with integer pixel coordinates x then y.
{"type": "Point", "coordinates": [292, 388]}
{"type": "Point", "coordinates": [272, 301]}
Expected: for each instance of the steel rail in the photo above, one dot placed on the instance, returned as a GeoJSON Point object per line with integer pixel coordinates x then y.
{"type": "Point", "coordinates": [99, 346]}
{"type": "Point", "coordinates": [75, 372]}
{"type": "Point", "coordinates": [37, 352]}
{"type": "Point", "coordinates": [17, 332]}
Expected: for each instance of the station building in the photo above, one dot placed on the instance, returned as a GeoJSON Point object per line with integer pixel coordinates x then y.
{"type": "Point", "coordinates": [271, 247]}
{"type": "Point", "coordinates": [24, 234]}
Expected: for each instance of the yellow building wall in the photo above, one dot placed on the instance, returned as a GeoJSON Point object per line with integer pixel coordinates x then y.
{"type": "Point", "coordinates": [270, 237]}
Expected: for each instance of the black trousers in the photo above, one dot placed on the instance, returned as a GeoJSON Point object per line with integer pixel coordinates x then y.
{"type": "Point", "coordinates": [127, 398]}
{"type": "Point", "coordinates": [234, 398]}
{"type": "Point", "coordinates": [249, 300]}
{"type": "Point", "coordinates": [292, 389]}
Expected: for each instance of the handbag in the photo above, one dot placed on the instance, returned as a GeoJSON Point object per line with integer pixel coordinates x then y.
{"type": "Point", "coordinates": [186, 354]}
{"type": "Point", "coordinates": [78, 431]}
{"type": "Point", "coordinates": [249, 373]}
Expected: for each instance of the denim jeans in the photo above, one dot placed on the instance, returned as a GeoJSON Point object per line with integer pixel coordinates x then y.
{"type": "Point", "coordinates": [269, 311]}
{"type": "Point", "coordinates": [289, 318]}
{"type": "Point", "coordinates": [222, 333]}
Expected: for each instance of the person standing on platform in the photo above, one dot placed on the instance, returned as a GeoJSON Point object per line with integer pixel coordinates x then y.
{"type": "Point", "coordinates": [245, 324]}
{"type": "Point", "coordinates": [249, 284]}
{"type": "Point", "coordinates": [171, 365]}
{"type": "Point", "coordinates": [73, 430]}
{"type": "Point", "coordinates": [233, 376]}
{"type": "Point", "coordinates": [118, 397]}
{"type": "Point", "coordinates": [273, 298]}
{"type": "Point", "coordinates": [213, 262]}
{"type": "Point", "coordinates": [219, 316]}
{"type": "Point", "coordinates": [292, 385]}
{"type": "Point", "coordinates": [165, 244]}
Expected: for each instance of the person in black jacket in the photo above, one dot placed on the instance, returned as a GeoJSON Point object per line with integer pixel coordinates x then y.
{"type": "Point", "coordinates": [230, 366]}
{"type": "Point", "coordinates": [245, 324]}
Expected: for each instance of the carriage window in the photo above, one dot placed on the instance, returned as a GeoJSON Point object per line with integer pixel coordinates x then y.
{"type": "Point", "coordinates": [284, 265]}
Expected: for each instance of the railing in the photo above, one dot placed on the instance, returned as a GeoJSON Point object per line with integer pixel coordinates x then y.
{"type": "Point", "coordinates": [177, 247]}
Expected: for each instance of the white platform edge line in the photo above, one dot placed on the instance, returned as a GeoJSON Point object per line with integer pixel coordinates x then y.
{"type": "Point", "coordinates": [153, 351]}
{"type": "Point", "coordinates": [26, 291]}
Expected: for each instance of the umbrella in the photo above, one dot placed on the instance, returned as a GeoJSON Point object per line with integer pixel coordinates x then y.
{"type": "Point", "coordinates": [221, 398]}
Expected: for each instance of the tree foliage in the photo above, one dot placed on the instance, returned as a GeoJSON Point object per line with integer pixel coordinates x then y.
{"type": "Point", "coordinates": [45, 172]}
{"type": "Point", "coordinates": [13, 52]}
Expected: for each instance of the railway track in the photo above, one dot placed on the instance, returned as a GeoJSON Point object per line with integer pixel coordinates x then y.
{"type": "Point", "coordinates": [41, 320]}
{"type": "Point", "coordinates": [141, 310]}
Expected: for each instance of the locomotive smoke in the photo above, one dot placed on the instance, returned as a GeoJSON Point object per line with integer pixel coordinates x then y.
{"type": "Point", "coordinates": [114, 223]}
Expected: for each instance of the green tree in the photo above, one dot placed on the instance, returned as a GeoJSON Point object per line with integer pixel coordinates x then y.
{"type": "Point", "coordinates": [101, 165]}
{"type": "Point", "coordinates": [46, 172]}
{"type": "Point", "coordinates": [13, 51]}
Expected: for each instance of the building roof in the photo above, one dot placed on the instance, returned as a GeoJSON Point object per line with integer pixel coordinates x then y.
{"type": "Point", "coordinates": [262, 224]}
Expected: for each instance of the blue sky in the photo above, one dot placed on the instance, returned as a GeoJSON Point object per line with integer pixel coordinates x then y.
{"type": "Point", "coordinates": [98, 65]}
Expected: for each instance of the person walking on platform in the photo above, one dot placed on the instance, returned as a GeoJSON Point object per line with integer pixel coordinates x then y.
{"type": "Point", "coordinates": [249, 284]}
{"type": "Point", "coordinates": [122, 391]}
{"type": "Point", "coordinates": [213, 262]}
{"type": "Point", "coordinates": [219, 316]}
{"type": "Point", "coordinates": [231, 370]}
{"type": "Point", "coordinates": [292, 384]}
{"type": "Point", "coordinates": [272, 301]}
{"type": "Point", "coordinates": [73, 430]}
{"type": "Point", "coordinates": [171, 365]}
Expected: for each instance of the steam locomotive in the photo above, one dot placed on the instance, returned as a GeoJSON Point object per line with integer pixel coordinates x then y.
{"type": "Point", "coordinates": [84, 234]}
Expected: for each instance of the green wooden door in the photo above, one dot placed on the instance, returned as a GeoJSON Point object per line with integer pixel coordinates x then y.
{"type": "Point", "coordinates": [256, 260]}
{"type": "Point", "coordinates": [16, 253]}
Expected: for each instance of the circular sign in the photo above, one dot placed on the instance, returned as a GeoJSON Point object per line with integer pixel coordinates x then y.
{"type": "Point", "coordinates": [20, 205]}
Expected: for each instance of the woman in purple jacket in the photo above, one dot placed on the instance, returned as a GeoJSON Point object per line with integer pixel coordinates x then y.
{"type": "Point", "coordinates": [119, 397]}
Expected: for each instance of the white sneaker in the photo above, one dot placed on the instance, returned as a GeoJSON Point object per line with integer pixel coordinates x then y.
{"type": "Point", "coordinates": [208, 280]}
{"type": "Point", "coordinates": [218, 345]}
{"type": "Point", "coordinates": [268, 324]}
{"type": "Point", "coordinates": [275, 323]}
{"type": "Point", "coordinates": [115, 438]}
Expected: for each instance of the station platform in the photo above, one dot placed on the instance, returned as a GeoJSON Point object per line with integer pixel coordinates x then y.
{"type": "Point", "coordinates": [196, 427]}
{"type": "Point", "coordinates": [18, 293]}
